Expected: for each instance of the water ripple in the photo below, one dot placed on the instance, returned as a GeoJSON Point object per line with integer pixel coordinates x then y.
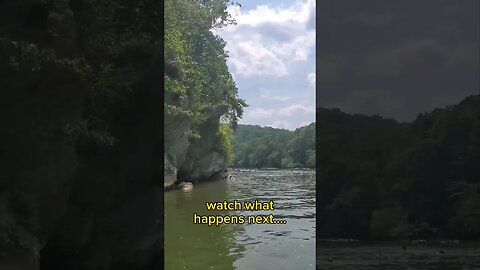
{"type": "Point", "coordinates": [293, 195]}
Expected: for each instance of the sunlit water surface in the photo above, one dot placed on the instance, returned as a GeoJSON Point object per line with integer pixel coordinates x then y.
{"type": "Point", "coordinates": [244, 246]}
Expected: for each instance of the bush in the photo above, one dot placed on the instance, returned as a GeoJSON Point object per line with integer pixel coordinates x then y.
{"type": "Point", "coordinates": [390, 223]}
{"type": "Point", "coordinates": [225, 142]}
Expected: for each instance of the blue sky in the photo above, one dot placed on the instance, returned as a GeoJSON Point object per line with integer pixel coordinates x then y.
{"type": "Point", "coordinates": [272, 59]}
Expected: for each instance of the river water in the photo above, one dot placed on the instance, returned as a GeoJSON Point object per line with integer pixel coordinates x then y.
{"type": "Point", "coordinates": [244, 246]}
{"type": "Point", "coordinates": [398, 255]}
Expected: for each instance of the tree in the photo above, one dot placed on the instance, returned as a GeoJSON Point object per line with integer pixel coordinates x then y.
{"type": "Point", "coordinates": [256, 146]}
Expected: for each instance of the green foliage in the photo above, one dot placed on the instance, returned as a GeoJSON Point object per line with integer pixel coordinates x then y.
{"type": "Point", "coordinates": [29, 58]}
{"type": "Point", "coordinates": [174, 111]}
{"type": "Point", "coordinates": [193, 50]}
{"type": "Point", "coordinates": [225, 144]}
{"type": "Point", "coordinates": [311, 156]}
{"type": "Point", "coordinates": [288, 163]}
{"type": "Point", "coordinates": [91, 133]}
{"type": "Point", "coordinates": [394, 180]}
{"type": "Point", "coordinates": [390, 223]}
{"type": "Point", "coordinates": [116, 44]}
{"type": "Point", "coordinates": [466, 220]}
{"type": "Point", "coordinates": [197, 78]}
{"type": "Point", "coordinates": [259, 147]}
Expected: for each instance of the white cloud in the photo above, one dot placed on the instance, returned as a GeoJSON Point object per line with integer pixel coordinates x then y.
{"type": "Point", "coordinates": [304, 124]}
{"type": "Point", "coordinates": [267, 94]}
{"type": "Point", "coordinates": [266, 40]}
{"type": "Point", "coordinates": [311, 77]}
{"type": "Point", "coordinates": [281, 124]}
{"type": "Point", "coordinates": [251, 58]}
{"type": "Point", "coordinates": [281, 98]}
{"type": "Point", "coordinates": [296, 109]}
{"type": "Point", "coordinates": [257, 113]}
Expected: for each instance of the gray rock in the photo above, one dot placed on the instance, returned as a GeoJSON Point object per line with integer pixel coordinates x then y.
{"type": "Point", "coordinates": [185, 186]}
{"type": "Point", "coordinates": [203, 159]}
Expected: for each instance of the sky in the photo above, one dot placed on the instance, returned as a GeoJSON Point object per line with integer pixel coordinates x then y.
{"type": "Point", "coordinates": [396, 58]}
{"type": "Point", "coordinates": [272, 59]}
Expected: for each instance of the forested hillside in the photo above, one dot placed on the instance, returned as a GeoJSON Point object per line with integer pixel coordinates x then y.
{"type": "Point", "coordinates": [260, 147]}
{"type": "Point", "coordinates": [381, 179]}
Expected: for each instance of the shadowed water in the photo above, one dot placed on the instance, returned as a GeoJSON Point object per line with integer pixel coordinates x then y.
{"type": "Point", "coordinates": [397, 256]}
{"type": "Point", "coordinates": [244, 246]}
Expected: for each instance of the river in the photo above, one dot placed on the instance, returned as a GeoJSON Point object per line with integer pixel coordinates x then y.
{"type": "Point", "coordinates": [244, 246]}
{"type": "Point", "coordinates": [428, 255]}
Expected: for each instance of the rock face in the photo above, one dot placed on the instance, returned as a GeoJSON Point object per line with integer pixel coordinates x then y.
{"type": "Point", "coordinates": [36, 171]}
{"type": "Point", "coordinates": [185, 186]}
{"type": "Point", "coordinates": [198, 159]}
{"type": "Point", "coordinates": [176, 144]}
{"type": "Point", "coordinates": [176, 141]}
{"type": "Point", "coordinates": [203, 159]}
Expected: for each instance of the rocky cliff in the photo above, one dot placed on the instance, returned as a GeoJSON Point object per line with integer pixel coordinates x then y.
{"type": "Point", "coordinates": [195, 158]}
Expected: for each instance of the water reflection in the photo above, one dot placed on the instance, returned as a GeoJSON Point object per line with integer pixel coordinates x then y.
{"type": "Point", "coordinates": [272, 246]}
{"type": "Point", "coordinates": [197, 246]}
{"type": "Point", "coordinates": [389, 255]}
{"type": "Point", "coordinates": [247, 246]}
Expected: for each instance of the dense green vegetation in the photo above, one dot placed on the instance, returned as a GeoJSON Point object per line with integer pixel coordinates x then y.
{"type": "Point", "coordinates": [381, 179]}
{"type": "Point", "coordinates": [259, 147]}
{"type": "Point", "coordinates": [202, 106]}
{"type": "Point", "coordinates": [114, 54]}
{"type": "Point", "coordinates": [225, 143]}
{"type": "Point", "coordinates": [196, 74]}
{"type": "Point", "coordinates": [110, 52]}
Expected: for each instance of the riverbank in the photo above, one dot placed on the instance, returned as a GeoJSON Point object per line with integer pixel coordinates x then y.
{"type": "Point", "coordinates": [221, 175]}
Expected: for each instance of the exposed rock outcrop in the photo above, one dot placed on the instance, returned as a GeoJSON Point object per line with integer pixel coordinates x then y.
{"type": "Point", "coordinates": [199, 158]}
{"type": "Point", "coordinates": [176, 140]}
{"type": "Point", "coordinates": [203, 158]}
{"type": "Point", "coordinates": [185, 186]}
